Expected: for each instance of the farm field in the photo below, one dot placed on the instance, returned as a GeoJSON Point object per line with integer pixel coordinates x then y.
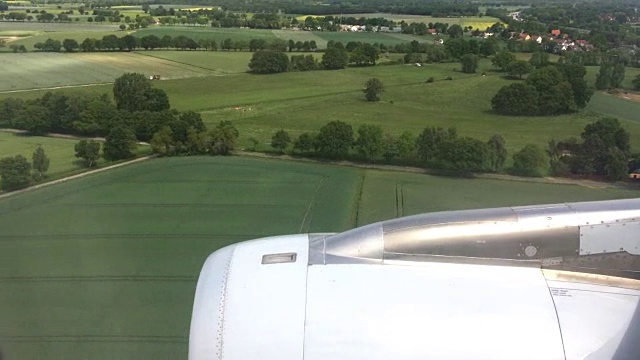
{"type": "Point", "coordinates": [105, 267]}
{"type": "Point", "coordinates": [220, 62]}
{"type": "Point", "coordinates": [259, 105]}
{"type": "Point", "coordinates": [374, 37]}
{"type": "Point", "coordinates": [78, 35]}
{"type": "Point", "coordinates": [44, 70]}
{"type": "Point", "coordinates": [474, 21]}
{"type": "Point", "coordinates": [60, 151]}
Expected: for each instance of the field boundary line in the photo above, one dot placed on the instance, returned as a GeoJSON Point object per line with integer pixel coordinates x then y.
{"type": "Point", "coordinates": [358, 200]}
{"type": "Point", "coordinates": [215, 71]}
{"type": "Point", "coordinates": [55, 87]}
{"type": "Point", "coordinates": [77, 176]}
{"type": "Point", "coordinates": [433, 172]}
{"type": "Point", "coordinates": [312, 205]}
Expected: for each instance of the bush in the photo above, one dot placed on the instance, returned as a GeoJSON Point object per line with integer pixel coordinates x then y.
{"type": "Point", "coordinates": [430, 80]}
{"type": "Point", "coordinates": [531, 161]}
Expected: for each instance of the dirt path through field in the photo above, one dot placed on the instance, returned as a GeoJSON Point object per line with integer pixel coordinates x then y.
{"type": "Point", "coordinates": [77, 176]}
{"type": "Point", "coordinates": [54, 87]}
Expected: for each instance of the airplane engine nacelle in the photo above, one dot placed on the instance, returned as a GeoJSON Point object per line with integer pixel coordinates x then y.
{"type": "Point", "coordinates": [408, 289]}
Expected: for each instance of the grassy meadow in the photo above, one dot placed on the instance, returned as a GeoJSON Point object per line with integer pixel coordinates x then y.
{"type": "Point", "coordinates": [105, 267]}
{"type": "Point", "coordinates": [60, 151]}
{"type": "Point", "coordinates": [476, 22]}
{"type": "Point", "coordinates": [304, 101]}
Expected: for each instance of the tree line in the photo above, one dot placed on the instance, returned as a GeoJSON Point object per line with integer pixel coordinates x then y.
{"type": "Point", "coordinates": [602, 151]}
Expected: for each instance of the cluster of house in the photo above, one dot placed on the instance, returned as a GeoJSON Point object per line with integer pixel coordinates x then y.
{"type": "Point", "coordinates": [363, 28]}
{"type": "Point", "coordinates": [562, 41]}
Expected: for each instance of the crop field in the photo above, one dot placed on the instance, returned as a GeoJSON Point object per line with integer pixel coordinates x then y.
{"type": "Point", "coordinates": [105, 267]}
{"type": "Point", "coordinates": [303, 36]}
{"type": "Point", "coordinates": [220, 62]}
{"type": "Point", "coordinates": [44, 70]}
{"type": "Point", "coordinates": [79, 36]}
{"type": "Point", "coordinates": [60, 151]}
{"type": "Point", "coordinates": [372, 37]}
{"type": "Point", "coordinates": [474, 21]}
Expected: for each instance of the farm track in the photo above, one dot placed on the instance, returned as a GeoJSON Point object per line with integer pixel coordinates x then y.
{"type": "Point", "coordinates": [54, 88]}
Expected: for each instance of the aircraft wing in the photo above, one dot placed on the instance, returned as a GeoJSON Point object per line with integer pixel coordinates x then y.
{"type": "Point", "coordinates": [539, 282]}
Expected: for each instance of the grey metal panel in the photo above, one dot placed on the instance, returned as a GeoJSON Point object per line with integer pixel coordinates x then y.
{"type": "Point", "coordinates": [610, 238]}
{"type": "Point", "coordinates": [546, 234]}
{"type": "Point", "coordinates": [447, 217]}
{"type": "Point", "coordinates": [316, 249]}
{"type": "Point", "coordinates": [365, 242]}
{"type": "Point", "coordinates": [488, 240]}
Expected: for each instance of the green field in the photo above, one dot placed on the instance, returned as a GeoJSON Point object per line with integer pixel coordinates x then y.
{"type": "Point", "coordinates": [220, 62]}
{"type": "Point", "coordinates": [304, 101]}
{"type": "Point", "coordinates": [474, 21]}
{"type": "Point", "coordinates": [59, 151]}
{"type": "Point", "coordinates": [388, 39]}
{"type": "Point", "coordinates": [105, 267]}
{"type": "Point", "coordinates": [44, 70]}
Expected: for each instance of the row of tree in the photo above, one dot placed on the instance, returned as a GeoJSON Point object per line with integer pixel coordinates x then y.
{"type": "Point", "coordinates": [335, 57]}
{"type": "Point", "coordinates": [603, 150]}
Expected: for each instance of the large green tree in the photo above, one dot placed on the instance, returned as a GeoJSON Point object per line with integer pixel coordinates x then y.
{"type": "Point", "coordinates": [617, 75]}
{"type": "Point", "coordinates": [131, 92]}
{"type": "Point", "coordinates": [532, 160]}
{"type": "Point", "coordinates": [469, 63]}
{"type": "Point", "coordinates": [464, 154]}
{"type": "Point", "coordinates": [603, 79]}
{"type": "Point", "coordinates": [497, 152]}
{"type": "Point", "coordinates": [502, 59]}
{"type": "Point", "coordinates": [539, 59]}
{"type": "Point", "coordinates": [88, 151]}
{"type": "Point", "coordinates": [223, 138]}
{"type": "Point", "coordinates": [15, 173]}
{"type": "Point", "coordinates": [335, 139]}
{"type": "Point", "coordinates": [335, 58]}
{"type": "Point", "coordinates": [370, 141]}
{"type": "Point", "coordinates": [119, 144]}
{"type": "Point", "coordinates": [429, 141]}
{"type": "Point", "coordinates": [40, 164]}
{"type": "Point", "coordinates": [34, 118]}
{"type": "Point", "coordinates": [372, 89]}
{"type": "Point", "coordinates": [280, 140]}
{"type": "Point", "coordinates": [269, 62]}
{"type": "Point", "coordinates": [518, 69]}
{"type": "Point", "coordinates": [304, 142]}
{"type": "Point", "coordinates": [516, 99]}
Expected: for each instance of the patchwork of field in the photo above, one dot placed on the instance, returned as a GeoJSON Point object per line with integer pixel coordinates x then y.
{"type": "Point", "coordinates": [105, 267]}
{"type": "Point", "coordinates": [60, 151]}
{"type": "Point", "coordinates": [297, 102]}
{"type": "Point", "coordinates": [388, 39]}
{"type": "Point", "coordinates": [46, 70]}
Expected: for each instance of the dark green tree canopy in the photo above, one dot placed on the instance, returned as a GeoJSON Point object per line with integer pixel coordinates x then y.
{"type": "Point", "coordinates": [335, 139]}
{"type": "Point", "coordinates": [269, 62]}
{"type": "Point", "coordinates": [15, 173]}
{"type": "Point", "coordinates": [372, 89]}
{"type": "Point", "coordinates": [119, 144]}
{"type": "Point", "coordinates": [531, 161]}
{"type": "Point", "coordinates": [280, 140]}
